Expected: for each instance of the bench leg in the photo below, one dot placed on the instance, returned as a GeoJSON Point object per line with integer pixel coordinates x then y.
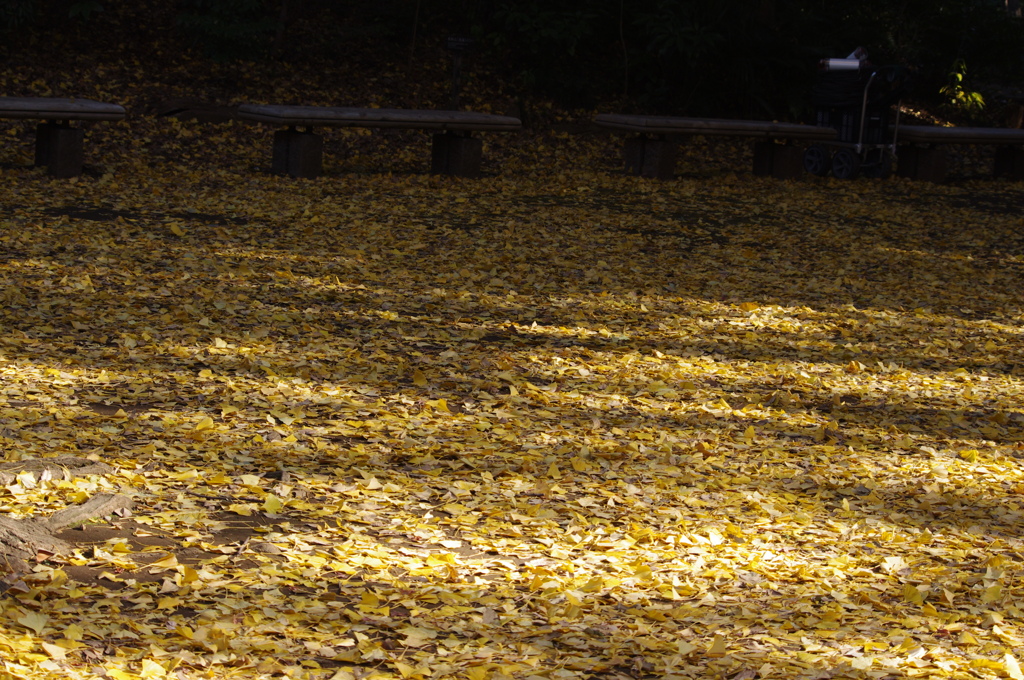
{"type": "Point", "coordinates": [650, 157]}
{"type": "Point", "coordinates": [1009, 163]}
{"type": "Point", "coordinates": [781, 161]}
{"type": "Point", "coordinates": [922, 164]}
{"type": "Point", "coordinates": [456, 155]}
{"type": "Point", "coordinates": [60, 149]}
{"type": "Point", "coordinates": [297, 154]}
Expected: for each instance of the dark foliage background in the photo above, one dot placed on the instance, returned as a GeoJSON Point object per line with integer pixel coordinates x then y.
{"type": "Point", "coordinates": [752, 58]}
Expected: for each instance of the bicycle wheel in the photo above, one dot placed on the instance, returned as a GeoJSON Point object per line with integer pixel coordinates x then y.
{"type": "Point", "coordinates": [817, 160]}
{"type": "Point", "coordinates": [845, 164]}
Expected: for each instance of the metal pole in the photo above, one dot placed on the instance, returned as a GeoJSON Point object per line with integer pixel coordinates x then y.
{"type": "Point", "coordinates": [864, 113]}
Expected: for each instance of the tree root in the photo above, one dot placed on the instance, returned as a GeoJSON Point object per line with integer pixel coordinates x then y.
{"type": "Point", "coordinates": [22, 540]}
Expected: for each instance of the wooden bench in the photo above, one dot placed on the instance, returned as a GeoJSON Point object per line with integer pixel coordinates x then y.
{"type": "Point", "coordinates": [59, 146]}
{"type": "Point", "coordinates": [921, 157]}
{"type": "Point", "coordinates": [299, 153]}
{"type": "Point", "coordinates": [652, 152]}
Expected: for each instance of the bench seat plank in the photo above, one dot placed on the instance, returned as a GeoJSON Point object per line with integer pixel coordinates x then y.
{"type": "Point", "coordinates": [669, 125]}
{"type": "Point", "coordinates": [58, 145]}
{"type": "Point", "coordinates": [933, 134]}
{"type": "Point", "coordinates": [419, 119]}
{"type": "Point", "coordinates": [55, 108]}
{"type": "Point", "coordinates": [299, 154]}
{"type": "Point", "coordinates": [921, 155]}
{"type": "Point", "coordinates": [652, 152]}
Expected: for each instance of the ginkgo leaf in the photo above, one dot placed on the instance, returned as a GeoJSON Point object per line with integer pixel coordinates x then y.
{"type": "Point", "coordinates": [119, 674]}
{"type": "Point", "coordinates": [168, 562]}
{"type": "Point", "coordinates": [718, 647]}
{"type": "Point", "coordinates": [55, 651]}
{"type": "Point", "coordinates": [684, 648]}
{"type": "Point", "coordinates": [34, 621]}
{"type": "Point", "coordinates": [1012, 667]}
{"type": "Point", "coordinates": [912, 594]}
{"type": "Point", "coordinates": [151, 669]}
{"type": "Point", "coordinates": [244, 509]}
{"type": "Point", "coordinates": [439, 404]}
{"type": "Point", "coordinates": [272, 504]}
{"type": "Point", "coordinates": [992, 594]}
{"type": "Point", "coordinates": [477, 673]}
{"type": "Point", "coordinates": [894, 563]}
{"type": "Point", "coordinates": [404, 669]}
{"type": "Point", "coordinates": [417, 637]}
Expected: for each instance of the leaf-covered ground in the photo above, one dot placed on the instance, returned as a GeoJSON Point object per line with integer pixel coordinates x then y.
{"type": "Point", "coordinates": [552, 423]}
